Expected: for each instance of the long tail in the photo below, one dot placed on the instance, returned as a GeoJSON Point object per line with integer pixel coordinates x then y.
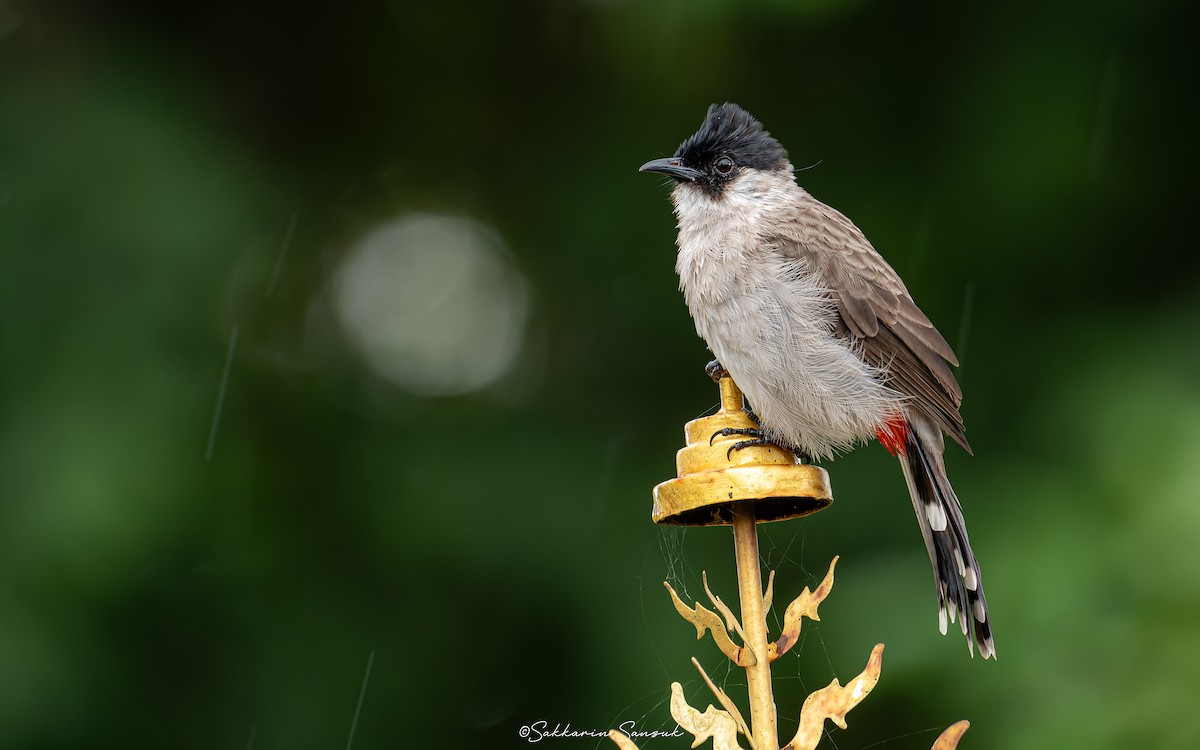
{"type": "Point", "coordinates": [955, 571]}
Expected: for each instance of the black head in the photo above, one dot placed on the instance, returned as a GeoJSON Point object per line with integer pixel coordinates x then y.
{"type": "Point", "coordinates": [729, 141]}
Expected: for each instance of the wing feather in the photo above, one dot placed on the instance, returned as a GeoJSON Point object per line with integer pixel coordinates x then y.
{"type": "Point", "coordinates": [875, 309]}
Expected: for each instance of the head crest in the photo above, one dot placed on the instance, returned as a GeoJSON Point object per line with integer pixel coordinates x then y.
{"type": "Point", "coordinates": [729, 130]}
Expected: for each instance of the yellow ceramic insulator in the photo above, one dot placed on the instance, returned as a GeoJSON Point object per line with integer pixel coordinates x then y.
{"type": "Point", "coordinates": [711, 478]}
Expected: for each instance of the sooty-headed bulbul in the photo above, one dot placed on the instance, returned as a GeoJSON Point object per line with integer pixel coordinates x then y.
{"type": "Point", "coordinates": [820, 333]}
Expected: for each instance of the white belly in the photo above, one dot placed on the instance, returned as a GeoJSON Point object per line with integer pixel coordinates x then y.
{"type": "Point", "coordinates": [770, 323]}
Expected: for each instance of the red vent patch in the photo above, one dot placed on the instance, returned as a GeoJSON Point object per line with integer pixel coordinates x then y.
{"type": "Point", "coordinates": [894, 435]}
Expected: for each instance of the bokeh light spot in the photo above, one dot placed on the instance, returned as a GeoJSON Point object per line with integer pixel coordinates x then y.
{"type": "Point", "coordinates": [434, 304]}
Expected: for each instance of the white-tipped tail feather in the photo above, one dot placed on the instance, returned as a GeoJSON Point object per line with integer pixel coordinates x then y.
{"type": "Point", "coordinates": [955, 571]}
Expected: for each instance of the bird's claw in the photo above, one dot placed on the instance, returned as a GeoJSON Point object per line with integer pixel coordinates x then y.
{"type": "Point", "coordinates": [756, 439]}
{"type": "Point", "coordinates": [727, 431]}
{"type": "Point", "coordinates": [715, 371]}
{"type": "Point", "coordinates": [759, 441]}
{"type": "Point", "coordinates": [755, 435]}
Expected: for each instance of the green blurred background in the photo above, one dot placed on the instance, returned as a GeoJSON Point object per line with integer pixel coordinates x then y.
{"type": "Point", "coordinates": [349, 330]}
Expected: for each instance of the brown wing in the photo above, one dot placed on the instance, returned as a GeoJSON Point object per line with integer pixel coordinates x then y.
{"type": "Point", "coordinates": [876, 309]}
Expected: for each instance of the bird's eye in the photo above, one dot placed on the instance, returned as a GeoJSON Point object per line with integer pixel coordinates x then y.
{"type": "Point", "coordinates": [724, 165]}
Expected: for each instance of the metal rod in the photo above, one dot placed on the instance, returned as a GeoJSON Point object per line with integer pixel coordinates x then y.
{"type": "Point", "coordinates": [763, 721]}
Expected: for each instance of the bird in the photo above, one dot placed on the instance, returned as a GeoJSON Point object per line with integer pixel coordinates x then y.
{"type": "Point", "coordinates": [820, 334]}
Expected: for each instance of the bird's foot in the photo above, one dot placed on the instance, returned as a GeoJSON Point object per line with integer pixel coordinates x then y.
{"type": "Point", "coordinates": [752, 432]}
{"type": "Point", "coordinates": [753, 443]}
{"type": "Point", "coordinates": [753, 417]}
{"type": "Point", "coordinates": [756, 439]}
{"type": "Point", "coordinates": [715, 371]}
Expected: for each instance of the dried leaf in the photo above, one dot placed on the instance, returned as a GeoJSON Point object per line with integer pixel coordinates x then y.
{"type": "Point", "coordinates": [731, 622]}
{"type": "Point", "coordinates": [726, 703]}
{"type": "Point", "coordinates": [949, 738]}
{"type": "Point", "coordinates": [833, 702]}
{"type": "Point", "coordinates": [713, 724]}
{"type": "Point", "coordinates": [804, 605]}
{"type": "Point", "coordinates": [621, 739]}
{"type": "Point", "coordinates": [705, 619]}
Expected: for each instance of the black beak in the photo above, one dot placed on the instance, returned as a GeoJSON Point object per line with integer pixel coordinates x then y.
{"type": "Point", "coordinates": [672, 167]}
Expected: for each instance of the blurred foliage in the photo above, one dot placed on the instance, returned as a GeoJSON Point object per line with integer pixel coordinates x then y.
{"type": "Point", "coordinates": [171, 174]}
